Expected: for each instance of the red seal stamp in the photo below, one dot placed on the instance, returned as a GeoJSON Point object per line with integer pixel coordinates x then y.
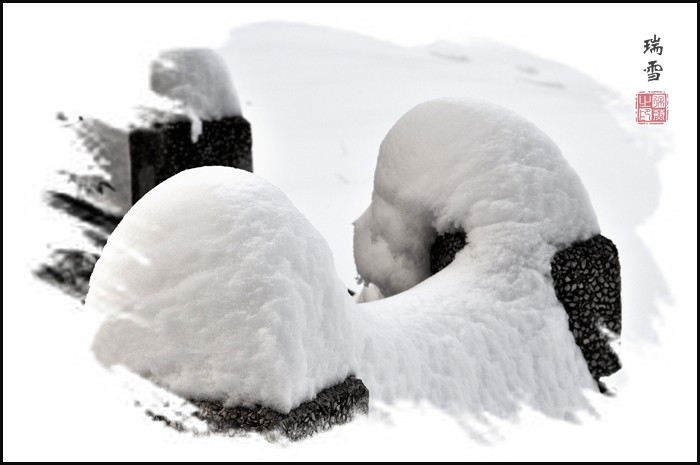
{"type": "Point", "coordinates": [652, 107]}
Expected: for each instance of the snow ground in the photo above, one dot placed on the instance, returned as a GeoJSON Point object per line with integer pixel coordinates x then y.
{"type": "Point", "coordinates": [656, 424]}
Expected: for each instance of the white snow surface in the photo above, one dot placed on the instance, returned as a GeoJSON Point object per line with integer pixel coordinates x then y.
{"type": "Point", "coordinates": [215, 286]}
{"type": "Point", "coordinates": [487, 333]}
{"type": "Point", "coordinates": [198, 80]}
{"type": "Point", "coordinates": [470, 165]}
{"type": "Point", "coordinates": [326, 110]}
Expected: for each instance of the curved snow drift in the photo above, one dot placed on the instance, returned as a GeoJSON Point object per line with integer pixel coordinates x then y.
{"type": "Point", "coordinates": [487, 333]}
{"type": "Point", "coordinates": [470, 165]}
{"type": "Point", "coordinates": [216, 286]}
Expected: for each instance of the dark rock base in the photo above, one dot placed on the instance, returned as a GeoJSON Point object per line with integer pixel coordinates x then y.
{"type": "Point", "coordinates": [587, 282]}
{"type": "Point", "coordinates": [335, 405]}
{"type": "Point", "coordinates": [445, 248]}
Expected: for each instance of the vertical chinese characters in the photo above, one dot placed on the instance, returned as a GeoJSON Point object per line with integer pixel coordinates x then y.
{"type": "Point", "coordinates": [654, 69]}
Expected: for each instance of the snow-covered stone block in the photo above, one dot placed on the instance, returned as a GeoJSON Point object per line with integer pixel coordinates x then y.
{"type": "Point", "coordinates": [202, 125]}
{"type": "Point", "coordinates": [214, 286]}
{"type": "Point", "coordinates": [470, 204]}
{"type": "Point", "coordinates": [587, 282]}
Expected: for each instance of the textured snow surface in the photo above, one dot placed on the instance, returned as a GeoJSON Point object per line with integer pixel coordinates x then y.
{"type": "Point", "coordinates": [214, 285]}
{"type": "Point", "coordinates": [470, 165]}
{"type": "Point", "coordinates": [198, 80]}
{"type": "Point", "coordinates": [486, 333]}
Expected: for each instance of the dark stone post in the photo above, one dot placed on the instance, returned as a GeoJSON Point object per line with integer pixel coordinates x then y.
{"type": "Point", "coordinates": [587, 282]}
{"type": "Point", "coordinates": [166, 148]}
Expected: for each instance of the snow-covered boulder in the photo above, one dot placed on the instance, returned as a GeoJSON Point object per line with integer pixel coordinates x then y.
{"type": "Point", "coordinates": [215, 287]}
{"type": "Point", "coordinates": [486, 333]}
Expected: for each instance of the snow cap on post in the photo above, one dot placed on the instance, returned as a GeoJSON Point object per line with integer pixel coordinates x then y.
{"type": "Point", "coordinates": [215, 287]}
{"type": "Point", "coordinates": [198, 80]}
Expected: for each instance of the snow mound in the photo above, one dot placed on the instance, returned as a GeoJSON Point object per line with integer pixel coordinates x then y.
{"type": "Point", "coordinates": [469, 165]}
{"type": "Point", "coordinates": [215, 286]}
{"type": "Point", "coordinates": [486, 334]}
{"type": "Point", "coordinates": [198, 81]}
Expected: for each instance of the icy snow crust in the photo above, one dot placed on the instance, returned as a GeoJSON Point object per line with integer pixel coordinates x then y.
{"type": "Point", "coordinates": [216, 286]}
